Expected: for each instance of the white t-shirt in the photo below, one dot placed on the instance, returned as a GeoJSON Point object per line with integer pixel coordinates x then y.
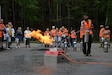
{"type": "Point", "coordinates": [26, 34]}
{"type": "Point", "coordinates": [13, 32]}
{"type": "Point", "coordinates": [7, 32]}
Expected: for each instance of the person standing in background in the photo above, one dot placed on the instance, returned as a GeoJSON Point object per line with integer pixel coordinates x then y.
{"type": "Point", "coordinates": [53, 34]}
{"type": "Point", "coordinates": [19, 37]}
{"type": "Point", "coordinates": [73, 37]}
{"type": "Point", "coordinates": [27, 37]}
{"type": "Point", "coordinates": [101, 35]}
{"type": "Point", "coordinates": [7, 35]}
{"type": "Point", "coordinates": [2, 30]}
{"type": "Point", "coordinates": [47, 33]}
{"type": "Point", "coordinates": [12, 34]}
{"type": "Point", "coordinates": [106, 34]}
{"type": "Point", "coordinates": [66, 34]}
{"type": "Point", "coordinates": [59, 37]}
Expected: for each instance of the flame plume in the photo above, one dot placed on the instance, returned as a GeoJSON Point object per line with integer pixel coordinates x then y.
{"type": "Point", "coordinates": [44, 39]}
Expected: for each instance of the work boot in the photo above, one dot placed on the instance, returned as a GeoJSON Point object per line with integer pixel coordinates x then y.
{"type": "Point", "coordinates": [100, 46]}
{"type": "Point", "coordinates": [1, 49]}
{"type": "Point", "coordinates": [109, 46]}
{"type": "Point", "coordinates": [89, 54]}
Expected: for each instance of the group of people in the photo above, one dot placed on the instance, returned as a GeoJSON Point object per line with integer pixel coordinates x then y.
{"type": "Point", "coordinates": [86, 32]}
{"type": "Point", "coordinates": [9, 35]}
{"type": "Point", "coordinates": [60, 34]}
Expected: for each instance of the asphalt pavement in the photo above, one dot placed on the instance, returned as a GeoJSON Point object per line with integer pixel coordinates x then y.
{"type": "Point", "coordinates": [30, 61]}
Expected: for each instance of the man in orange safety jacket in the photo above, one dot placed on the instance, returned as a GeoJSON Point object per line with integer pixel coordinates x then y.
{"type": "Point", "coordinates": [2, 30]}
{"type": "Point", "coordinates": [53, 34]}
{"type": "Point", "coordinates": [86, 27]}
{"type": "Point", "coordinates": [101, 35]}
{"type": "Point", "coordinates": [106, 34]}
{"type": "Point", "coordinates": [73, 37]}
{"type": "Point", "coordinates": [47, 33]}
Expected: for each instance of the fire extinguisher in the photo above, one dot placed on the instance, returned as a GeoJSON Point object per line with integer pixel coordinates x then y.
{"type": "Point", "coordinates": [86, 38]}
{"type": "Point", "coordinates": [65, 45]}
{"type": "Point", "coordinates": [81, 45]}
{"type": "Point", "coordinates": [74, 45]}
{"type": "Point", "coordinates": [105, 46]}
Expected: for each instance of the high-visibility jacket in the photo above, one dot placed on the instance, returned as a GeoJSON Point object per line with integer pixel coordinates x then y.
{"type": "Point", "coordinates": [60, 33]}
{"type": "Point", "coordinates": [1, 34]}
{"type": "Point", "coordinates": [65, 31]}
{"type": "Point", "coordinates": [86, 26]}
{"type": "Point", "coordinates": [47, 33]}
{"type": "Point", "coordinates": [90, 31]}
{"type": "Point", "coordinates": [2, 27]}
{"type": "Point", "coordinates": [73, 34]}
{"type": "Point", "coordinates": [82, 29]}
{"type": "Point", "coordinates": [101, 32]}
{"type": "Point", "coordinates": [106, 33]}
{"type": "Point", "coordinates": [53, 32]}
{"type": "Point", "coordinates": [81, 34]}
{"type": "Point", "coordinates": [66, 34]}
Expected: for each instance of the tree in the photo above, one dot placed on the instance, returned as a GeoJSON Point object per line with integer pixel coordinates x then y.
{"type": "Point", "coordinates": [29, 12]}
{"type": "Point", "coordinates": [45, 13]}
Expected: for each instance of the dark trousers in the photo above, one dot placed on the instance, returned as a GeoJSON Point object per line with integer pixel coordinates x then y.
{"type": "Point", "coordinates": [27, 41]}
{"type": "Point", "coordinates": [87, 46]}
{"type": "Point", "coordinates": [72, 41]}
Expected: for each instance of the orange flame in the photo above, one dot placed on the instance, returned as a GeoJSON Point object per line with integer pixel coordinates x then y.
{"type": "Point", "coordinates": [44, 39]}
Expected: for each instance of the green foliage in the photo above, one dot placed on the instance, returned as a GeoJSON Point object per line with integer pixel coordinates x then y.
{"type": "Point", "coordinates": [29, 10]}
{"type": "Point", "coordinates": [45, 13]}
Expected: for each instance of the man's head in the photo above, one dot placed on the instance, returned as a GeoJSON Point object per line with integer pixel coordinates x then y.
{"type": "Point", "coordinates": [10, 24]}
{"type": "Point", "coordinates": [28, 28]}
{"type": "Point", "coordinates": [107, 27]}
{"type": "Point", "coordinates": [53, 27]}
{"type": "Point", "coordinates": [101, 26]}
{"type": "Point", "coordinates": [47, 29]}
{"type": "Point", "coordinates": [85, 16]}
{"type": "Point", "coordinates": [1, 21]}
{"type": "Point", "coordinates": [19, 28]}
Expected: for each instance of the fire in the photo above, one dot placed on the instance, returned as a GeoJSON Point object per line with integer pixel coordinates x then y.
{"type": "Point", "coordinates": [44, 39]}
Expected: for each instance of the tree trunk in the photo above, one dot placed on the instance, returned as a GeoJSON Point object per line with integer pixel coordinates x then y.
{"type": "Point", "coordinates": [22, 16]}
{"type": "Point", "coordinates": [50, 13]}
{"type": "Point", "coordinates": [13, 11]}
{"type": "Point", "coordinates": [5, 13]}
{"type": "Point", "coordinates": [60, 15]}
{"type": "Point", "coordinates": [57, 14]}
{"type": "Point", "coordinates": [68, 16]}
